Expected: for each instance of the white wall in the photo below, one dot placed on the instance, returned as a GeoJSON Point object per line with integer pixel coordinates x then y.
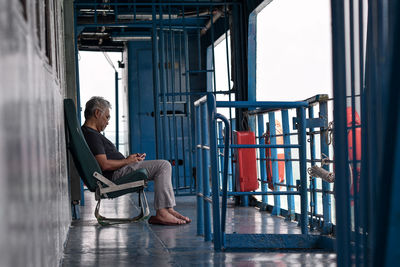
{"type": "Point", "coordinates": [34, 198]}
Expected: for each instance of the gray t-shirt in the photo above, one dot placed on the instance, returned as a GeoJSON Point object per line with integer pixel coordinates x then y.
{"type": "Point", "coordinates": [99, 144]}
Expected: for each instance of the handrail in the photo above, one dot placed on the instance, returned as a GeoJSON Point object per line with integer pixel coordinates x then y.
{"type": "Point", "coordinates": [208, 102]}
{"type": "Point", "coordinates": [225, 173]}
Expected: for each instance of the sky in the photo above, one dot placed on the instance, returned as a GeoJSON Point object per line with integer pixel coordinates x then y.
{"type": "Point", "coordinates": [294, 50]}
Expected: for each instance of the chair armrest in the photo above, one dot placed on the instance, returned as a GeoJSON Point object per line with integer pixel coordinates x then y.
{"type": "Point", "coordinates": [131, 182]}
{"type": "Point", "coordinates": [138, 175]}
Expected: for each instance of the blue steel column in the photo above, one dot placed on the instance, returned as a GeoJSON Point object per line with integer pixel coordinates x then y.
{"type": "Point", "coordinates": [288, 163]}
{"type": "Point", "coordinates": [343, 224]}
{"type": "Point", "coordinates": [188, 100]}
{"type": "Point", "coordinates": [182, 118]}
{"type": "Point", "coordinates": [199, 173]}
{"type": "Point", "coordinates": [206, 173]}
{"type": "Point", "coordinates": [389, 227]}
{"type": "Point", "coordinates": [301, 123]}
{"type": "Point", "coordinates": [275, 168]}
{"type": "Point", "coordinates": [221, 156]}
{"type": "Point", "coordinates": [214, 172]}
{"type": "Point", "coordinates": [163, 87]}
{"type": "Point", "coordinates": [116, 112]}
{"type": "Point", "coordinates": [156, 78]}
{"type": "Point", "coordinates": [225, 177]}
{"type": "Point", "coordinates": [174, 151]}
{"type": "Point", "coordinates": [263, 169]}
{"type": "Point", "coordinates": [313, 182]}
{"type": "Point", "coordinates": [326, 198]}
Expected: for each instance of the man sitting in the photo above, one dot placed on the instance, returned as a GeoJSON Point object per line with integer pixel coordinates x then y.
{"type": "Point", "coordinates": [114, 165]}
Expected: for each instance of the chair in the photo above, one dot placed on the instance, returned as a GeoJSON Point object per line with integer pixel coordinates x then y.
{"type": "Point", "coordinates": [90, 172]}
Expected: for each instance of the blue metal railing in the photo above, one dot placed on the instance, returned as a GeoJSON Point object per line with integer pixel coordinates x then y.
{"type": "Point", "coordinates": [206, 141]}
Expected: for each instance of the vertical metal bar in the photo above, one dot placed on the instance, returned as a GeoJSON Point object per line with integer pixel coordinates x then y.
{"type": "Point", "coordinates": [211, 108]}
{"type": "Point", "coordinates": [116, 111]}
{"type": "Point", "coordinates": [171, 99]}
{"type": "Point", "coordinates": [252, 57]}
{"type": "Point", "coordinates": [363, 188]}
{"type": "Point", "coordinates": [301, 123]}
{"type": "Point", "coordinates": [187, 90]}
{"type": "Point", "coordinates": [212, 49]}
{"type": "Point", "coordinates": [225, 178]}
{"type": "Point", "coordinates": [226, 16]}
{"type": "Point", "coordinates": [199, 173]}
{"type": "Point", "coordinates": [326, 198]}
{"type": "Point", "coordinates": [206, 173]}
{"type": "Point", "coordinates": [275, 168]}
{"type": "Point", "coordinates": [288, 163]}
{"type": "Point", "coordinates": [198, 39]}
{"type": "Point", "coordinates": [354, 163]}
{"type": "Point", "coordinates": [232, 180]}
{"type": "Point", "coordinates": [262, 161]}
{"type": "Point", "coordinates": [221, 156]}
{"type": "Point", "coordinates": [156, 78]}
{"type": "Point", "coordinates": [183, 142]}
{"type": "Point", "coordinates": [175, 128]}
{"type": "Point", "coordinates": [340, 136]}
{"type": "Point", "coordinates": [163, 87]}
{"type": "Point", "coordinates": [313, 183]}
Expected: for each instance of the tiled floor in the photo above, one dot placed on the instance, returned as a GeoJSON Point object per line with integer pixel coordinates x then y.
{"type": "Point", "coordinates": [141, 244]}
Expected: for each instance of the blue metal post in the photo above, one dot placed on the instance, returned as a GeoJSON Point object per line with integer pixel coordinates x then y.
{"type": "Point", "coordinates": [275, 168]}
{"type": "Point", "coordinates": [220, 152]}
{"type": "Point", "coordinates": [116, 111]}
{"type": "Point", "coordinates": [199, 174]}
{"type": "Point", "coordinates": [301, 124]}
{"type": "Point", "coordinates": [288, 163]}
{"type": "Point", "coordinates": [343, 248]}
{"type": "Point", "coordinates": [326, 198]}
{"type": "Point", "coordinates": [214, 172]}
{"type": "Point", "coordinates": [313, 182]}
{"type": "Point", "coordinates": [163, 87]}
{"type": "Point", "coordinates": [231, 181]}
{"type": "Point", "coordinates": [263, 169]}
{"type": "Point", "coordinates": [156, 82]}
{"type": "Point", "coordinates": [206, 173]}
{"type": "Point", "coordinates": [188, 100]}
{"type": "Point", "coordinates": [173, 141]}
{"type": "Point", "coordinates": [225, 177]}
{"type": "Point", "coordinates": [182, 123]}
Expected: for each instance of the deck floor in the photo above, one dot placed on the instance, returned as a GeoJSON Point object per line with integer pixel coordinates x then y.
{"type": "Point", "coordinates": [141, 244]}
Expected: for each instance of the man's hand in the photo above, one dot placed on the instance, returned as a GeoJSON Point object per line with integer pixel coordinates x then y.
{"type": "Point", "coordinates": [140, 156]}
{"type": "Point", "coordinates": [136, 157]}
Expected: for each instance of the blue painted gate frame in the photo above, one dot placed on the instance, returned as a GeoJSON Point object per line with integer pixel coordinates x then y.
{"type": "Point", "coordinates": [206, 111]}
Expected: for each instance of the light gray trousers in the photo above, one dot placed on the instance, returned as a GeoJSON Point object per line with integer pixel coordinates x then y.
{"type": "Point", "coordinates": [160, 172]}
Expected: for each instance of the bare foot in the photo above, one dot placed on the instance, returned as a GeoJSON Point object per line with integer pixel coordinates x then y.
{"type": "Point", "coordinates": [164, 217]}
{"type": "Point", "coordinates": [178, 215]}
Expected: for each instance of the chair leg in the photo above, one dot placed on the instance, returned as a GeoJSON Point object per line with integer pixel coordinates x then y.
{"type": "Point", "coordinates": [144, 213]}
{"type": "Point", "coordinates": [144, 206]}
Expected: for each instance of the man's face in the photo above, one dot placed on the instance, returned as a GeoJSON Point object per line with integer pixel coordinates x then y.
{"type": "Point", "coordinates": [102, 119]}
